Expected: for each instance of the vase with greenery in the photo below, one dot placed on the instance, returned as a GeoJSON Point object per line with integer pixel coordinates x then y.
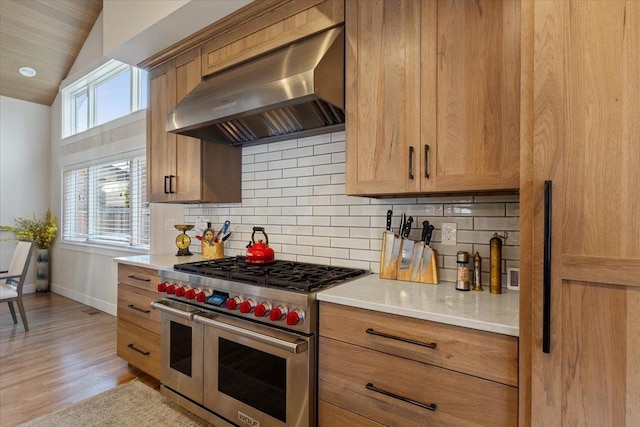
{"type": "Point", "coordinates": [42, 233]}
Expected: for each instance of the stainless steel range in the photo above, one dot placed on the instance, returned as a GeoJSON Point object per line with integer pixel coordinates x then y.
{"type": "Point", "coordinates": [239, 339]}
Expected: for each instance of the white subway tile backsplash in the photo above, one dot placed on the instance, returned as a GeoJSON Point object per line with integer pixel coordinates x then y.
{"type": "Point", "coordinates": [268, 157]}
{"type": "Point", "coordinates": [295, 189]}
{"type": "Point", "coordinates": [315, 160]}
{"type": "Point", "coordinates": [331, 210]}
{"type": "Point", "coordinates": [304, 152]}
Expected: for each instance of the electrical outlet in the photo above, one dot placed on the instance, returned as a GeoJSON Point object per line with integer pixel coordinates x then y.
{"type": "Point", "coordinates": [449, 233]}
{"type": "Point", "coordinates": [169, 224]}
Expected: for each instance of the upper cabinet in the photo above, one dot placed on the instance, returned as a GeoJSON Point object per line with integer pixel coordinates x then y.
{"type": "Point", "coordinates": [180, 168]}
{"type": "Point", "coordinates": [432, 96]}
{"type": "Point", "coordinates": [265, 32]}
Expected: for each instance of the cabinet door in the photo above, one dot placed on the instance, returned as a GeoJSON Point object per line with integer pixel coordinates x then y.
{"type": "Point", "coordinates": [160, 144]}
{"type": "Point", "coordinates": [382, 96]}
{"type": "Point", "coordinates": [473, 132]}
{"type": "Point", "coordinates": [586, 140]}
{"type": "Point", "coordinates": [188, 151]}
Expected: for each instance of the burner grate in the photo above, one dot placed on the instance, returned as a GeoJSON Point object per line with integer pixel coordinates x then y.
{"type": "Point", "coordinates": [296, 276]}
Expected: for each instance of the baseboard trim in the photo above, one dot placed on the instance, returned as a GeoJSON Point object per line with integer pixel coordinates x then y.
{"type": "Point", "coordinates": [96, 303]}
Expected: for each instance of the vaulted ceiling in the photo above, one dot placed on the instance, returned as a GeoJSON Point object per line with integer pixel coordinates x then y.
{"type": "Point", "coordinates": [45, 35]}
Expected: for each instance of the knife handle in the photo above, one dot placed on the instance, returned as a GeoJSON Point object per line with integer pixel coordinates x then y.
{"type": "Point", "coordinates": [389, 215]}
{"type": "Point", "coordinates": [425, 229]}
{"type": "Point", "coordinates": [546, 275]}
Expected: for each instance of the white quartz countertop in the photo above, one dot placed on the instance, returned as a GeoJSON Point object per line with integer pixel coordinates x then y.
{"type": "Point", "coordinates": [157, 260]}
{"type": "Point", "coordinates": [439, 303]}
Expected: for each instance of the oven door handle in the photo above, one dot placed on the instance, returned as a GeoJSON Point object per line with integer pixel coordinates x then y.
{"type": "Point", "coordinates": [296, 347]}
{"type": "Point", "coordinates": [165, 307]}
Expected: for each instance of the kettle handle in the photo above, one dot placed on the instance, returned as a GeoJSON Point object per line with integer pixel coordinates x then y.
{"type": "Point", "coordinates": [260, 229]}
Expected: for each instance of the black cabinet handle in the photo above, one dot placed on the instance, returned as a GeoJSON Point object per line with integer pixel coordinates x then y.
{"type": "Point", "coordinates": [141, 279]}
{"type": "Point", "coordinates": [430, 407]}
{"type": "Point", "coordinates": [546, 278]}
{"type": "Point", "coordinates": [410, 162]}
{"type": "Point", "coordinates": [407, 340]}
{"type": "Point", "coordinates": [166, 178]}
{"type": "Point", "coordinates": [171, 177]}
{"type": "Point", "coordinates": [144, 353]}
{"type": "Point", "coordinates": [133, 307]}
{"type": "Point", "coordinates": [426, 161]}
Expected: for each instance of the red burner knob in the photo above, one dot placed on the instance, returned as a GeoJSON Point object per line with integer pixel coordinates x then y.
{"type": "Point", "coordinates": [247, 306]}
{"type": "Point", "coordinates": [278, 313]}
{"type": "Point", "coordinates": [295, 317]}
{"type": "Point", "coordinates": [262, 309]}
{"type": "Point", "coordinates": [170, 289]}
{"type": "Point", "coordinates": [232, 303]}
{"type": "Point", "coordinates": [181, 291]}
{"type": "Point", "coordinates": [203, 295]}
{"type": "Point", "coordinates": [162, 287]}
{"type": "Point", "coordinates": [190, 294]}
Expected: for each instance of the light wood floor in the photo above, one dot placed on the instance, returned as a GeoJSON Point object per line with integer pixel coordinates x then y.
{"type": "Point", "coordinates": [69, 354]}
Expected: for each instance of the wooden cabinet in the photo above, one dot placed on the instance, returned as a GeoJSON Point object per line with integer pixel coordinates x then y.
{"type": "Point", "coordinates": [581, 132]}
{"type": "Point", "coordinates": [381, 368]}
{"type": "Point", "coordinates": [138, 324]}
{"type": "Point", "coordinates": [181, 168]}
{"type": "Point", "coordinates": [264, 32]}
{"type": "Point", "coordinates": [432, 96]}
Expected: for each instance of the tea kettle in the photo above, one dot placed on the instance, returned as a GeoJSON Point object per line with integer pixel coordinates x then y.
{"type": "Point", "coordinates": [259, 252]}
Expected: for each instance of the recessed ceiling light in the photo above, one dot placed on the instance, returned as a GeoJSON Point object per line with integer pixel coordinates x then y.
{"type": "Point", "coordinates": [27, 71]}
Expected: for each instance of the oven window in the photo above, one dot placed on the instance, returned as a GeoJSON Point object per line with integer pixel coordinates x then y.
{"type": "Point", "coordinates": [254, 377]}
{"type": "Point", "coordinates": [180, 351]}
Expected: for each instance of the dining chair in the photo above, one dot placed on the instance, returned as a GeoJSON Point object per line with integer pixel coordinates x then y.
{"type": "Point", "coordinates": [14, 278]}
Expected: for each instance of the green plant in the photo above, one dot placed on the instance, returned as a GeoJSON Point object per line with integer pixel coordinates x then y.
{"type": "Point", "coordinates": [42, 233]}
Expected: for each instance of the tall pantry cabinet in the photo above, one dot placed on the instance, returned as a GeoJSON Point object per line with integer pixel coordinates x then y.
{"type": "Point", "coordinates": [581, 132]}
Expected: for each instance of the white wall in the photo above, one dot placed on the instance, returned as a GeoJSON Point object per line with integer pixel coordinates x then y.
{"type": "Point", "coordinates": [137, 30]}
{"type": "Point", "coordinates": [24, 169]}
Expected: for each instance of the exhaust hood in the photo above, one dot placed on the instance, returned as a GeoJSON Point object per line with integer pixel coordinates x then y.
{"type": "Point", "coordinates": [294, 91]}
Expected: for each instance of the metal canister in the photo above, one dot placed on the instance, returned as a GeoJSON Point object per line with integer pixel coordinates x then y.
{"type": "Point", "coordinates": [477, 272]}
{"type": "Point", "coordinates": [462, 282]}
{"type": "Point", "coordinates": [495, 257]}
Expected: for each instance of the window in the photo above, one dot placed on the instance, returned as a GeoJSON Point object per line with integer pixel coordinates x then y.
{"type": "Point", "coordinates": [112, 91]}
{"type": "Point", "coordinates": [107, 204]}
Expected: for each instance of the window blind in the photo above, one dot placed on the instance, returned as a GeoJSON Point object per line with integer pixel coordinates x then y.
{"type": "Point", "coordinates": [106, 204]}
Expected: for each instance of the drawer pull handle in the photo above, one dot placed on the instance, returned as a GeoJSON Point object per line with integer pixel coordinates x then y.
{"type": "Point", "coordinates": [393, 337]}
{"type": "Point", "coordinates": [133, 307]}
{"type": "Point", "coordinates": [141, 279]}
{"type": "Point", "coordinates": [431, 407]}
{"type": "Point", "coordinates": [144, 353]}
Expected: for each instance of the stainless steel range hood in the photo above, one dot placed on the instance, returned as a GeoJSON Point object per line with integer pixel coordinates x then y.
{"type": "Point", "coordinates": [294, 91]}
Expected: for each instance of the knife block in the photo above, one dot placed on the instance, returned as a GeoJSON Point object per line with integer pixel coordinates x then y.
{"type": "Point", "coordinates": [414, 257]}
{"type": "Point", "coordinates": [428, 273]}
{"type": "Point", "coordinates": [389, 255]}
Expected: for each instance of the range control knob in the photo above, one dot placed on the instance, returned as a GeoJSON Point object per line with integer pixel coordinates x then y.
{"type": "Point", "coordinates": [295, 317]}
{"type": "Point", "coordinates": [278, 313]}
{"type": "Point", "coordinates": [247, 306]}
{"type": "Point", "coordinates": [262, 309]}
{"type": "Point", "coordinates": [203, 295]}
{"type": "Point", "coordinates": [181, 291]}
{"type": "Point", "coordinates": [191, 293]}
{"type": "Point", "coordinates": [170, 289]}
{"type": "Point", "coordinates": [232, 303]}
{"type": "Point", "coordinates": [162, 287]}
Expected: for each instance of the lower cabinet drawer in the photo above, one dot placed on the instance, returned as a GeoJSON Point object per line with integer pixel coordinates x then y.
{"type": "Point", "coordinates": [399, 392]}
{"type": "Point", "coordinates": [134, 306]}
{"type": "Point", "coordinates": [331, 416]}
{"type": "Point", "coordinates": [139, 347]}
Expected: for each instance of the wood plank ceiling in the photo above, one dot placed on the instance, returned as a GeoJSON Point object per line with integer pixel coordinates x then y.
{"type": "Point", "coordinates": [45, 35]}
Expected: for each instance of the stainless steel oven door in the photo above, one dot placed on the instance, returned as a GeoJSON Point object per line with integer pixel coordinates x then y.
{"type": "Point", "coordinates": [180, 349]}
{"type": "Point", "coordinates": [256, 375]}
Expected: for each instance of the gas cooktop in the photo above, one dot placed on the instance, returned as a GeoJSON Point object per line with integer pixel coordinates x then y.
{"type": "Point", "coordinates": [296, 276]}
